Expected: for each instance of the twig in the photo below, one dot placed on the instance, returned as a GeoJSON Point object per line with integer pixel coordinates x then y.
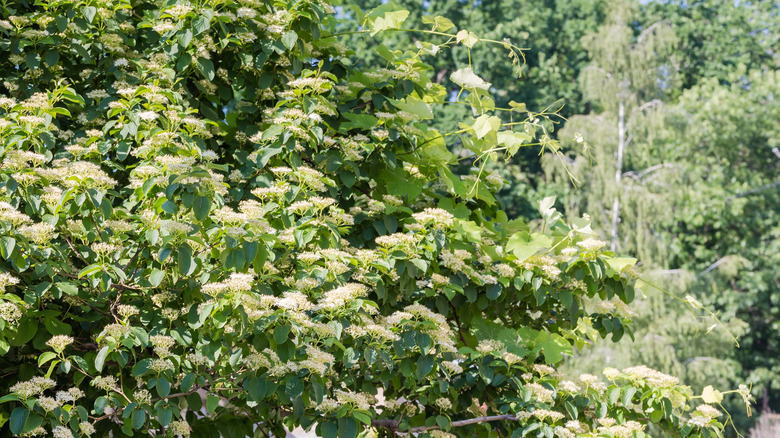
{"type": "Point", "coordinates": [393, 424]}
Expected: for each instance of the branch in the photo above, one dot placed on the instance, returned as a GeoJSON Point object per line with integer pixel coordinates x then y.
{"type": "Point", "coordinates": [393, 424]}
{"type": "Point", "coordinates": [751, 191]}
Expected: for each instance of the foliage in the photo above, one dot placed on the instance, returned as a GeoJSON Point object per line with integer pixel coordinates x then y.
{"type": "Point", "coordinates": [214, 224]}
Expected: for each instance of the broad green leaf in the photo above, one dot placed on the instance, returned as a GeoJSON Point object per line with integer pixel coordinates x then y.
{"type": "Point", "coordinates": [18, 419]}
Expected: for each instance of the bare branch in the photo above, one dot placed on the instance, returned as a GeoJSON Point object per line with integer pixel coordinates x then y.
{"type": "Point", "coordinates": [393, 424]}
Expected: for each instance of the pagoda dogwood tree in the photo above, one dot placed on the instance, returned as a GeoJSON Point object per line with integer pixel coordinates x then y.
{"type": "Point", "coordinates": [212, 225]}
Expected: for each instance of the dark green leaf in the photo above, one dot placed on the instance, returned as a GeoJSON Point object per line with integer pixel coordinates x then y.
{"type": "Point", "coordinates": [17, 420]}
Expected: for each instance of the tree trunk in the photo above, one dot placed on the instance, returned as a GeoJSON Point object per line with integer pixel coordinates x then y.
{"type": "Point", "coordinates": [618, 174]}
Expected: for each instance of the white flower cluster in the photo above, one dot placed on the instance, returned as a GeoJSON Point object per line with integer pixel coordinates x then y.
{"type": "Point", "coordinates": [435, 217]}
{"type": "Point", "coordinates": [32, 387]}
{"type": "Point", "coordinates": [652, 377]}
{"type": "Point", "coordinates": [626, 430]}
{"type": "Point", "coordinates": [338, 298]}
{"type": "Point", "coordinates": [236, 283]}
{"type": "Point", "coordinates": [59, 342]}
{"type": "Point", "coordinates": [542, 394]}
{"type": "Point", "coordinates": [9, 214]}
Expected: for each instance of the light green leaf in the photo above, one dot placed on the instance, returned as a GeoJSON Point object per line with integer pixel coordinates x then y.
{"type": "Point", "coordinates": [289, 39]}
{"type": "Point", "coordinates": [513, 140]}
{"type": "Point", "coordinates": [414, 106]}
{"type": "Point", "coordinates": [45, 357]}
{"type": "Point", "coordinates": [467, 38]}
{"type": "Point", "coordinates": [553, 346]}
{"type": "Point", "coordinates": [485, 124]}
{"type": "Point", "coordinates": [711, 395]}
{"type": "Point", "coordinates": [523, 244]}
{"type": "Point", "coordinates": [466, 78]}
{"type": "Point", "coordinates": [383, 19]}
{"type": "Point", "coordinates": [100, 359]}
{"type": "Point", "coordinates": [441, 24]}
{"type": "Point", "coordinates": [621, 263]}
{"type": "Point", "coordinates": [519, 107]}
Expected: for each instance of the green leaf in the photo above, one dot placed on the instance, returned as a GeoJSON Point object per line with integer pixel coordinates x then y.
{"type": "Point", "coordinates": [613, 395]}
{"type": "Point", "coordinates": [164, 416]}
{"type": "Point", "coordinates": [359, 121]}
{"type": "Point", "coordinates": [348, 428]}
{"type": "Point", "coordinates": [45, 357]}
{"type": "Point", "coordinates": [281, 333]}
{"type": "Point", "coordinates": [90, 270]}
{"type": "Point", "coordinates": [139, 418]}
{"type": "Point", "coordinates": [163, 387]}
{"type": "Point", "coordinates": [329, 429]}
{"type": "Point", "coordinates": [185, 38]}
{"type": "Point", "coordinates": [17, 420]}
{"type": "Point", "coordinates": [7, 245]}
{"type": "Point", "coordinates": [212, 401]}
{"type": "Point", "coordinates": [56, 327]}
{"type": "Point", "coordinates": [206, 68]}
{"type": "Point", "coordinates": [289, 39]}
{"type": "Point", "coordinates": [51, 57]}
{"type": "Point", "coordinates": [350, 357]}
{"type": "Point", "coordinates": [256, 388]}
{"type": "Point", "coordinates": [201, 207]}
{"type": "Point", "coordinates": [184, 260]}
{"type": "Point", "coordinates": [554, 346]}
{"type": "Point", "coordinates": [187, 382]}
{"type": "Point", "coordinates": [620, 263]}
{"type": "Point", "coordinates": [440, 24]}
{"type": "Point", "coordinates": [414, 106]}
{"type": "Point", "coordinates": [382, 18]}
{"type": "Point", "coordinates": [513, 140]}
{"type": "Point", "coordinates": [156, 277]}
{"type": "Point", "coordinates": [486, 124]}
{"type": "Point", "coordinates": [200, 24]}
{"type": "Point", "coordinates": [89, 13]}
{"type": "Point", "coordinates": [424, 365]}
{"type": "Point", "coordinates": [467, 38]}
{"type": "Point", "coordinates": [523, 245]}
{"type": "Point", "coordinates": [100, 359]}
{"type": "Point", "coordinates": [628, 395]}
